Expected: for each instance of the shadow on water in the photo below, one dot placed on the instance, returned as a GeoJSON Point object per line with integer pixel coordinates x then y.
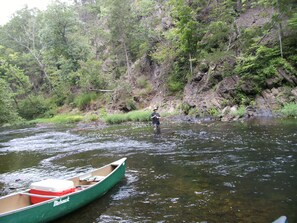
{"type": "Point", "coordinates": [211, 172]}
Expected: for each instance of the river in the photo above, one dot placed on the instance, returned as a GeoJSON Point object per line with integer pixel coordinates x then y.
{"type": "Point", "coordinates": [191, 172]}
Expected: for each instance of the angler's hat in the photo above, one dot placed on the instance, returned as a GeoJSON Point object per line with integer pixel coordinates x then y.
{"type": "Point", "coordinates": [155, 108]}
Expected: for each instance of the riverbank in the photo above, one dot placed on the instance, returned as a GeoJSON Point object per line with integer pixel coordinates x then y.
{"type": "Point", "coordinates": [228, 114]}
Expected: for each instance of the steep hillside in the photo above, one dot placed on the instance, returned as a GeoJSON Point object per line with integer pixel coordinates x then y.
{"type": "Point", "coordinates": [221, 85]}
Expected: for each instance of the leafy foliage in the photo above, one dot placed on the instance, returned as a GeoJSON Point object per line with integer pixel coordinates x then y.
{"type": "Point", "coordinates": [7, 112]}
{"type": "Point", "coordinates": [265, 64]}
{"type": "Point", "coordinates": [176, 81]}
{"type": "Point", "coordinates": [289, 110]}
{"type": "Point", "coordinates": [186, 26]}
{"type": "Point", "coordinates": [293, 21]}
{"type": "Point", "coordinates": [35, 107]}
{"type": "Point", "coordinates": [84, 100]}
{"type": "Point", "coordinates": [240, 112]}
{"type": "Point", "coordinates": [89, 76]}
{"type": "Point", "coordinates": [17, 81]}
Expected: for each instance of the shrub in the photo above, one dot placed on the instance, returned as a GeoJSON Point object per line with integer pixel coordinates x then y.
{"type": "Point", "coordinates": [177, 78]}
{"type": "Point", "coordinates": [142, 82]}
{"type": "Point", "coordinates": [7, 110]}
{"type": "Point", "coordinates": [256, 69]}
{"type": "Point", "coordinates": [102, 112]}
{"type": "Point", "coordinates": [289, 110]}
{"type": "Point", "coordinates": [130, 105]}
{"type": "Point", "coordinates": [34, 107]}
{"type": "Point", "coordinates": [185, 107]}
{"type": "Point", "coordinates": [241, 111]}
{"type": "Point", "coordinates": [82, 101]}
{"type": "Point", "coordinates": [175, 86]}
{"type": "Point", "coordinates": [214, 112]}
{"type": "Point", "coordinates": [194, 112]}
{"type": "Point", "coordinates": [163, 53]}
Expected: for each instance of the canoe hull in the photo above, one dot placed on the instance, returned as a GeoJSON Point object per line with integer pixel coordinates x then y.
{"type": "Point", "coordinates": [58, 207]}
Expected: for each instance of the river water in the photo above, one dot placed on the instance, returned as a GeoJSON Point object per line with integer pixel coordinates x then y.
{"type": "Point", "coordinates": [191, 172]}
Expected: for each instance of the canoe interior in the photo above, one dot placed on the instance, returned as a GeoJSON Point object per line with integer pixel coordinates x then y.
{"type": "Point", "coordinates": [18, 200]}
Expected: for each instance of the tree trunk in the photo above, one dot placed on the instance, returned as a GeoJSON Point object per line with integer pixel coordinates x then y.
{"type": "Point", "coordinates": [191, 63]}
{"type": "Point", "coordinates": [280, 29]}
{"type": "Point", "coordinates": [248, 4]}
{"type": "Point", "coordinates": [239, 6]}
{"type": "Point", "coordinates": [280, 39]}
{"type": "Point", "coordinates": [127, 58]}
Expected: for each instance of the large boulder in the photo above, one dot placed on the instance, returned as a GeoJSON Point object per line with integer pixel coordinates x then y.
{"type": "Point", "coordinates": [227, 87]}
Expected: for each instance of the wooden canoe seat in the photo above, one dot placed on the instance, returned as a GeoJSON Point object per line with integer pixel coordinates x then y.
{"type": "Point", "coordinates": [85, 177]}
{"type": "Point", "coordinates": [90, 178]}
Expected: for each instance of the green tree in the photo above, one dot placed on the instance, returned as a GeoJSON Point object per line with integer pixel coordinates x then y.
{"type": "Point", "coordinates": [120, 26]}
{"type": "Point", "coordinates": [284, 10]}
{"type": "Point", "coordinates": [64, 47]}
{"type": "Point", "coordinates": [14, 77]}
{"type": "Point", "coordinates": [21, 34]}
{"type": "Point", "coordinates": [145, 31]}
{"type": "Point", "coordinates": [130, 36]}
{"type": "Point", "coordinates": [91, 79]}
{"type": "Point", "coordinates": [186, 28]}
{"type": "Point", "coordinates": [8, 113]}
{"type": "Point", "coordinates": [61, 37]}
{"type": "Point", "coordinates": [93, 16]}
{"type": "Point", "coordinates": [13, 86]}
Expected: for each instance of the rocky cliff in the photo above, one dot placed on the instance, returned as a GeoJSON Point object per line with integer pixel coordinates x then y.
{"type": "Point", "coordinates": [210, 91]}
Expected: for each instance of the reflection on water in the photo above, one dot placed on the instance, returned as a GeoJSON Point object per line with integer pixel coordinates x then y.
{"type": "Point", "coordinates": [213, 172]}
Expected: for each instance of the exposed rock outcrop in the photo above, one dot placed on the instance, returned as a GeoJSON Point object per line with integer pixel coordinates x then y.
{"type": "Point", "coordinates": [211, 89]}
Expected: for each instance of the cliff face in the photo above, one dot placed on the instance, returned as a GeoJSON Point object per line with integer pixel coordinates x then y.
{"type": "Point", "coordinates": [210, 90]}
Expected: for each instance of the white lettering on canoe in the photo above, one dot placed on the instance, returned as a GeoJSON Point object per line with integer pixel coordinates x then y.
{"type": "Point", "coordinates": [61, 201]}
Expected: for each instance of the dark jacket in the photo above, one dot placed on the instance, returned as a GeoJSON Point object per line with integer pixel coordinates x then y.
{"type": "Point", "coordinates": [155, 118]}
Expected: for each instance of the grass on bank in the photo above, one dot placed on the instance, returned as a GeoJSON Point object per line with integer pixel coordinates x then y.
{"type": "Point", "coordinates": [60, 119]}
{"type": "Point", "coordinates": [135, 116]}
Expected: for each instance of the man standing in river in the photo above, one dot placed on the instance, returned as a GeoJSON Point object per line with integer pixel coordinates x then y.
{"type": "Point", "coordinates": [155, 116]}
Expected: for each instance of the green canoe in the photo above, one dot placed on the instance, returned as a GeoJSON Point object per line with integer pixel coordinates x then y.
{"type": "Point", "coordinates": [18, 207]}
